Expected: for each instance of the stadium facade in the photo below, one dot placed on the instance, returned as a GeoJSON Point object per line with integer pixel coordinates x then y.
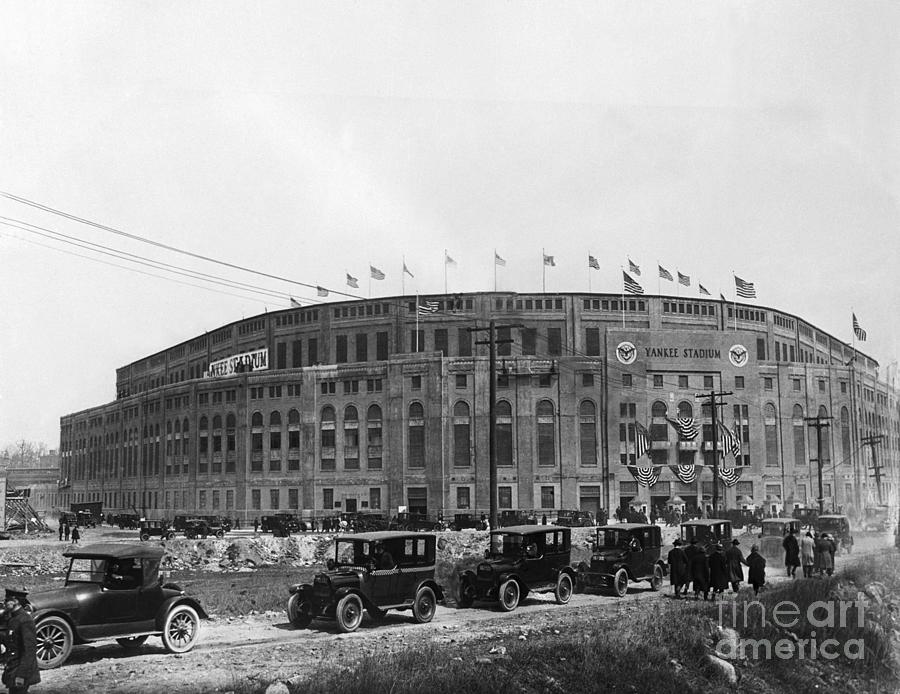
{"type": "Point", "coordinates": [383, 403]}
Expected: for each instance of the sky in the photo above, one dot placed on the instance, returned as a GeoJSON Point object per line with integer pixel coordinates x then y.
{"type": "Point", "coordinates": [307, 140]}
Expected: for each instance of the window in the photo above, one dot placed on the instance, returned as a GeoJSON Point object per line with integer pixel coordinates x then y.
{"type": "Point", "coordinates": [761, 348]}
{"type": "Point", "coordinates": [657, 381]}
{"type": "Point", "coordinates": [591, 342]}
{"type": "Point", "coordinates": [554, 341]}
{"type": "Point", "coordinates": [362, 347]}
{"type": "Point", "coordinates": [546, 433]}
{"type": "Point", "coordinates": [738, 381]}
{"type": "Point", "coordinates": [796, 384]}
{"type": "Point", "coordinates": [441, 341]}
{"type": "Point", "coordinates": [375, 498]}
{"type": "Point", "coordinates": [340, 349]}
{"type": "Point", "coordinates": [274, 498]}
{"type": "Point", "coordinates": [683, 382]}
{"type": "Point", "coordinates": [708, 382]}
{"type": "Point", "coordinates": [255, 499]}
{"type": "Point", "coordinates": [626, 381]}
{"type": "Point", "coordinates": [503, 435]}
{"type": "Point", "coordinates": [821, 385]}
{"type": "Point", "coordinates": [799, 427]}
{"type": "Point", "coordinates": [462, 497]}
{"type": "Point", "coordinates": [504, 497]}
{"type": "Point", "coordinates": [548, 497]}
{"type": "Point", "coordinates": [381, 346]}
{"type": "Point", "coordinates": [588, 432]}
{"type": "Point", "coordinates": [587, 380]}
{"type": "Point", "coordinates": [768, 383]}
{"type": "Point", "coordinates": [461, 436]}
{"type": "Point", "coordinates": [328, 499]}
{"type": "Point", "coordinates": [529, 341]}
{"type": "Point", "coordinates": [770, 422]}
{"type": "Point", "coordinates": [416, 436]}
{"type": "Point", "coordinates": [464, 342]}
{"type": "Point", "coordinates": [416, 340]}
{"type": "Point", "coordinates": [415, 382]}
{"type": "Point", "coordinates": [312, 351]}
{"type": "Point", "coordinates": [461, 380]}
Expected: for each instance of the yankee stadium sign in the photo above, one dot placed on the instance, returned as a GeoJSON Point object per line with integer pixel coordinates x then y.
{"type": "Point", "coordinates": [237, 363]}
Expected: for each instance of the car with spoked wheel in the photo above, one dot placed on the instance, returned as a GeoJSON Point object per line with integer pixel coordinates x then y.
{"type": "Point", "coordinates": [113, 591]}
{"type": "Point", "coordinates": [372, 573]}
{"type": "Point", "coordinates": [622, 554]}
{"type": "Point", "coordinates": [521, 559]}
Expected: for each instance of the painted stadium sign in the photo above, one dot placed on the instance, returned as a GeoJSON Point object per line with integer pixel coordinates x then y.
{"type": "Point", "coordinates": [626, 352]}
{"type": "Point", "coordinates": [238, 363]}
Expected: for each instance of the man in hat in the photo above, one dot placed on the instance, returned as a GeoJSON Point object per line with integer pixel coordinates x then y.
{"type": "Point", "coordinates": [678, 568]}
{"type": "Point", "coordinates": [757, 573]}
{"type": "Point", "coordinates": [791, 553]}
{"type": "Point", "coordinates": [19, 636]}
{"type": "Point", "coordinates": [735, 558]}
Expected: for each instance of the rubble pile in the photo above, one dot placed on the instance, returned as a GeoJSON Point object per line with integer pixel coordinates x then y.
{"type": "Point", "coordinates": [34, 560]}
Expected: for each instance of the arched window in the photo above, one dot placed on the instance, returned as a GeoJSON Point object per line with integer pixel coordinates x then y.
{"type": "Point", "coordinates": [799, 427]}
{"type": "Point", "coordinates": [685, 409]}
{"type": "Point", "coordinates": [204, 437]}
{"type": "Point", "coordinates": [503, 433]}
{"type": "Point", "coordinates": [462, 441]}
{"type": "Point", "coordinates": [327, 427]}
{"type": "Point", "coordinates": [256, 420]}
{"type": "Point", "coordinates": [293, 429]}
{"type": "Point", "coordinates": [217, 433]}
{"type": "Point", "coordinates": [587, 432]}
{"type": "Point", "coordinates": [275, 432]}
{"type": "Point", "coordinates": [293, 417]}
{"type": "Point", "coordinates": [275, 419]}
{"type": "Point", "coordinates": [546, 433]}
{"type": "Point", "coordinates": [351, 438]}
{"type": "Point", "coordinates": [374, 439]}
{"type": "Point", "coordinates": [770, 422]}
{"type": "Point", "coordinates": [845, 435]}
{"type": "Point", "coordinates": [416, 436]}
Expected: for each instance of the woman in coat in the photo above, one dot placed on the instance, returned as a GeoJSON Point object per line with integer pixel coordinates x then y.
{"type": "Point", "coordinates": [678, 568]}
{"type": "Point", "coordinates": [824, 558]}
{"type": "Point", "coordinates": [756, 576]}
{"type": "Point", "coordinates": [718, 570]}
{"type": "Point", "coordinates": [735, 559]}
{"type": "Point", "coordinates": [807, 554]}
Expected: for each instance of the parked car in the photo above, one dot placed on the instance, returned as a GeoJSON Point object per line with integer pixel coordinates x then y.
{"type": "Point", "coordinates": [511, 517]}
{"type": "Point", "coordinates": [806, 516]}
{"type": "Point", "coordinates": [354, 582]}
{"type": "Point", "coordinates": [200, 527]}
{"type": "Point", "coordinates": [113, 591]}
{"type": "Point", "coordinates": [838, 526]}
{"type": "Point", "coordinates": [521, 559]}
{"type": "Point", "coordinates": [414, 521]}
{"type": "Point", "coordinates": [575, 519]}
{"type": "Point", "coordinates": [772, 536]}
{"type": "Point", "coordinates": [156, 528]}
{"type": "Point", "coordinates": [707, 532]}
{"type": "Point", "coordinates": [742, 518]}
{"type": "Point", "coordinates": [466, 521]}
{"type": "Point", "coordinates": [128, 521]}
{"type": "Point", "coordinates": [368, 522]}
{"type": "Point", "coordinates": [622, 553]}
{"type": "Point", "coordinates": [280, 524]}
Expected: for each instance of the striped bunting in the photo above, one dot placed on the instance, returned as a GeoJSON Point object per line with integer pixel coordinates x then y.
{"type": "Point", "coordinates": [646, 475]}
{"type": "Point", "coordinates": [685, 473]}
{"type": "Point", "coordinates": [686, 426]}
{"type": "Point", "coordinates": [729, 475]}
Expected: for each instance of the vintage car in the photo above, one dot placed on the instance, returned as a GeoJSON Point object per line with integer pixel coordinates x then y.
{"type": "Point", "coordinates": [772, 536]}
{"type": "Point", "coordinates": [466, 521]}
{"type": "Point", "coordinates": [156, 528]}
{"type": "Point", "coordinates": [355, 581]}
{"type": "Point", "coordinates": [622, 553]}
{"type": "Point", "coordinates": [806, 516]}
{"type": "Point", "coordinates": [575, 519]}
{"type": "Point", "coordinates": [521, 559]}
{"type": "Point", "coordinates": [838, 526]}
{"type": "Point", "coordinates": [113, 591]}
{"type": "Point", "coordinates": [510, 517]}
{"type": "Point", "coordinates": [707, 532]}
{"type": "Point", "coordinates": [200, 527]}
{"type": "Point", "coordinates": [414, 521]}
{"type": "Point", "coordinates": [280, 524]}
{"type": "Point", "coordinates": [743, 518]}
{"type": "Point", "coordinates": [877, 519]}
{"type": "Point", "coordinates": [362, 522]}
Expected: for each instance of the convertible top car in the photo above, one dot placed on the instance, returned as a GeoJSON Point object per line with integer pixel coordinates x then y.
{"type": "Point", "coordinates": [113, 591]}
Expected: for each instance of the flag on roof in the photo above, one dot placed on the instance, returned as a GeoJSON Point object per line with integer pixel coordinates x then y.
{"type": "Point", "coordinates": [295, 303]}
{"type": "Point", "coordinates": [406, 270]}
{"type": "Point", "coordinates": [684, 279]}
{"type": "Point", "coordinates": [428, 307]}
{"type": "Point", "coordinates": [448, 260]}
{"type": "Point", "coordinates": [722, 297]}
{"type": "Point", "coordinates": [549, 260]}
{"type": "Point", "coordinates": [859, 332]}
{"type": "Point", "coordinates": [631, 286]}
{"type": "Point", "coordinates": [665, 274]}
{"type": "Point", "coordinates": [703, 290]}
{"type": "Point", "coordinates": [352, 281]}
{"type": "Point", "coordinates": [498, 260]}
{"type": "Point", "coordinates": [376, 273]}
{"type": "Point", "coordinates": [744, 289]}
{"type": "Point", "coordinates": [321, 291]}
{"type": "Point", "coordinates": [634, 268]}
{"type": "Point", "coordinates": [592, 262]}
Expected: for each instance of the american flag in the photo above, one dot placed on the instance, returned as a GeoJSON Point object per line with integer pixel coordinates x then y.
{"type": "Point", "coordinates": [498, 260]}
{"type": "Point", "coordinates": [631, 286]}
{"type": "Point", "coordinates": [685, 280]}
{"type": "Point", "coordinates": [295, 303]}
{"type": "Point", "coordinates": [686, 426]}
{"type": "Point", "coordinates": [321, 291]}
{"type": "Point", "coordinates": [352, 281]}
{"type": "Point", "coordinates": [592, 262]}
{"type": "Point", "coordinates": [448, 260]}
{"type": "Point", "coordinates": [665, 274]}
{"type": "Point", "coordinates": [744, 289]}
{"type": "Point", "coordinates": [642, 442]}
{"type": "Point", "coordinates": [859, 332]}
{"type": "Point", "coordinates": [632, 267]}
{"type": "Point", "coordinates": [731, 442]}
{"type": "Point", "coordinates": [406, 270]}
{"type": "Point", "coordinates": [428, 307]}
{"type": "Point", "coordinates": [703, 290]}
{"type": "Point", "coordinates": [549, 260]}
{"type": "Point", "coordinates": [685, 473]}
{"type": "Point", "coordinates": [376, 273]}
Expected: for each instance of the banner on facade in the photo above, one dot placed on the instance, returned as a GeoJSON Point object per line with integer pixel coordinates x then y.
{"type": "Point", "coordinates": [257, 360]}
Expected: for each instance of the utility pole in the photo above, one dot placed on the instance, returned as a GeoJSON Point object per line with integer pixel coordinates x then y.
{"type": "Point", "coordinates": [819, 423]}
{"type": "Point", "coordinates": [871, 442]}
{"type": "Point", "coordinates": [492, 342]}
{"type": "Point", "coordinates": [713, 397]}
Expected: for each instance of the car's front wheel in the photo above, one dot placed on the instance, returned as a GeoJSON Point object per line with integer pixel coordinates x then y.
{"type": "Point", "coordinates": [657, 580]}
{"type": "Point", "coordinates": [298, 611]}
{"type": "Point", "coordinates": [54, 642]}
{"type": "Point", "coordinates": [349, 613]}
{"type": "Point", "coordinates": [466, 594]}
{"type": "Point", "coordinates": [620, 583]}
{"type": "Point", "coordinates": [424, 605]}
{"type": "Point", "coordinates": [181, 629]}
{"type": "Point", "coordinates": [170, 536]}
{"type": "Point", "coordinates": [132, 642]}
{"type": "Point", "coordinates": [509, 595]}
{"type": "Point", "coordinates": [220, 534]}
{"type": "Point", "coordinates": [563, 592]}
{"type": "Point", "coordinates": [145, 537]}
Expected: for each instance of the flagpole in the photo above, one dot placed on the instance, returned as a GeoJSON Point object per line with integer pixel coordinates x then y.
{"type": "Point", "coordinates": [445, 274]}
{"type": "Point", "coordinates": [495, 269]}
{"type": "Point", "coordinates": [543, 273]}
{"type": "Point", "coordinates": [589, 272]}
{"type": "Point", "coordinates": [403, 277]}
{"type": "Point", "coordinates": [734, 303]}
{"type": "Point", "coordinates": [417, 321]}
{"type": "Point", "coordinates": [658, 283]}
{"type": "Point", "coordinates": [623, 296]}
{"type": "Point", "coordinates": [678, 282]}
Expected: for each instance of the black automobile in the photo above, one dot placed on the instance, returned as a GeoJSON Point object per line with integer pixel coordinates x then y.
{"type": "Point", "coordinates": [113, 591]}
{"type": "Point", "coordinates": [511, 517]}
{"type": "Point", "coordinates": [575, 518]}
{"type": "Point", "coordinates": [368, 522]}
{"type": "Point", "coordinates": [397, 576]}
{"type": "Point", "coordinates": [156, 528]}
{"type": "Point", "coordinates": [622, 553]}
{"type": "Point", "coordinates": [280, 524]}
{"type": "Point", "coordinates": [413, 522]}
{"type": "Point", "coordinates": [466, 521]}
{"type": "Point", "coordinates": [837, 526]}
{"type": "Point", "coordinates": [707, 531]}
{"type": "Point", "coordinates": [200, 527]}
{"type": "Point", "coordinates": [521, 559]}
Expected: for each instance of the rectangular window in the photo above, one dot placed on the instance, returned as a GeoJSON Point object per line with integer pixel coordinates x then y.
{"type": "Point", "coordinates": [462, 497]}
{"type": "Point", "coordinates": [504, 346]}
{"type": "Point", "coordinates": [416, 382]}
{"type": "Point", "coordinates": [796, 384]}
{"type": "Point", "coordinates": [626, 381]}
{"type": "Point", "coordinates": [375, 498]}
{"type": "Point", "coordinates": [738, 381]}
{"type": "Point", "coordinates": [293, 498]}
{"type": "Point", "coordinates": [441, 341]}
{"type": "Point", "coordinates": [592, 342]}
{"type": "Point", "coordinates": [554, 342]}
{"type": "Point", "coordinates": [504, 497]}
{"type": "Point", "coordinates": [843, 387]}
{"type": "Point", "coordinates": [416, 340]}
{"type": "Point", "coordinates": [461, 380]}
{"type": "Point", "coordinates": [381, 346]}
{"type": "Point", "coordinates": [707, 381]}
{"type": "Point", "coordinates": [768, 383]}
{"type": "Point", "coordinates": [274, 498]}
{"type": "Point", "coordinates": [296, 354]}
{"type": "Point", "coordinates": [821, 385]}
{"type": "Point", "coordinates": [201, 501]}
{"type": "Point", "coordinates": [529, 341]}
{"type": "Point", "coordinates": [255, 499]}
{"type": "Point", "coordinates": [683, 382]}
{"type": "Point", "coordinates": [340, 349]}
{"type": "Point", "coordinates": [464, 342]}
{"type": "Point", "coordinates": [548, 497]}
{"type": "Point", "coordinates": [327, 499]}
{"type": "Point", "coordinates": [281, 355]}
{"type": "Point", "coordinates": [229, 499]}
{"type": "Point", "coordinates": [657, 381]}
{"type": "Point", "coordinates": [362, 347]}
{"type": "Point", "coordinates": [587, 380]}
{"type": "Point", "coordinates": [312, 351]}
{"type": "Point", "coordinates": [761, 348]}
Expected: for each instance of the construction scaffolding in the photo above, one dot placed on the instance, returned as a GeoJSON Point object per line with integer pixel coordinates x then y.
{"type": "Point", "coordinates": [20, 515]}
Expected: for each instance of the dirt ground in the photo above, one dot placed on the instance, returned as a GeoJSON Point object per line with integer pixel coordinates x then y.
{"type": "Point", "coordinates": [265, 646]}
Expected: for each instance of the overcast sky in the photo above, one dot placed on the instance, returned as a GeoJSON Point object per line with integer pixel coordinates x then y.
{"type": "Point", "coordinates": [311, 139]}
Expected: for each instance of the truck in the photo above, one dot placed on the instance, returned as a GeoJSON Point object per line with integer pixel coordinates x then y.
{"type": "Point", "coordinates": [88, 513]}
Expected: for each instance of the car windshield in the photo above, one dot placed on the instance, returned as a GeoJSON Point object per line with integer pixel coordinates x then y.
{"type": "Point", "coordinates": [773, 529]}
{"type": "Point", "coordinates": [698, 532]}
{"type": "Point", "coordinates": [613, 538]}
{"type": "Point", "coordinates": [506, 544]}
{"type": "Point", "coordinates": [351, 553]}
{"type": "Point", "coordinates": [85, 570]}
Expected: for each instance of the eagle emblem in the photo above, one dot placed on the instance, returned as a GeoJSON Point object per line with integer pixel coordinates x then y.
{"type": "Point", "coordinates": [626, 352]}
{"type": "Point", "coordinates": [738, 355]}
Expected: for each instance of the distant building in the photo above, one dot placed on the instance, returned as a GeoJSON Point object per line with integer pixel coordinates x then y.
{"type": "Point", "coordinates": [376, 404]}
{"type": "Point", "coordinates": [38, 482]}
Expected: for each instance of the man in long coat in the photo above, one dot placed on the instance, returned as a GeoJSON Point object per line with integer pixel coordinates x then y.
{"type": "Point", "coordinates": [735, 559]}
{"type": "Point", "coordinates": [807, 554]}
{"type": "Point", "coordinates": [824, 557]}
{"type": "Point", "coordinates": [718, 570]}
{"type": "Point", "coordinates": [791, 554]}
{"type": "Point", "coordinates": [756, 576]}
{"type": "Point", "coordinates": [678, 568]}
{"type": "Point", "coordinates": [21, 670]}
{"type": "Point", "coordinates": [699, 567]}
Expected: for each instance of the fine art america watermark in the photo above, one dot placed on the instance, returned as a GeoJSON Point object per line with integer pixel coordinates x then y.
{"type": "Point", "coordinates": [826, 620]}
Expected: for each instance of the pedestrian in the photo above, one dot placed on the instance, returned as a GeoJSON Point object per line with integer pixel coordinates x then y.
{"type": "Point", "coordinates": [791, 553]}
{"type": "Point", "coordinates": [824, 556]}
{"type": "Point", "coordinates": [807, 554]}
{"type": "Point", "coordinates": [20, 639]}
{"type": "Point", "coordinates": [756, 576]}
{"type": "Point", "coordinates": [76, 535]}
{"type": "Point", "coordinates": [654, 515]}
{"type": "Point", "coordinates": [678, 568]}
{"type": "Point", "coordinates": [484, 523]}
{"type": "Point", "coordinates": [66, 530]}
{"type": "Point", "coordinates": [544, 519]}
{"type": "Point", "coordinates": [718, 570]}
{"type": "Point", "coordinates": [832, 550]}
{"type": "Point", "coordinates": [256, 525]}
{"type": "Point", "coordinates": [60, 531]}
{"type": "Point", "coordinates": [699, 566]}
{"type": "Point", "coordinates": [735, 559]}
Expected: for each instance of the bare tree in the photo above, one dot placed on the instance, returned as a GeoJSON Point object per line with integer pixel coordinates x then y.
{"type": "Point", "coordinates": [23, 453]}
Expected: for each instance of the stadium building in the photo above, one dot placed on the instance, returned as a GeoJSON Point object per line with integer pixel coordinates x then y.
{"type": "Point", "coordinates": [383, 403]}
